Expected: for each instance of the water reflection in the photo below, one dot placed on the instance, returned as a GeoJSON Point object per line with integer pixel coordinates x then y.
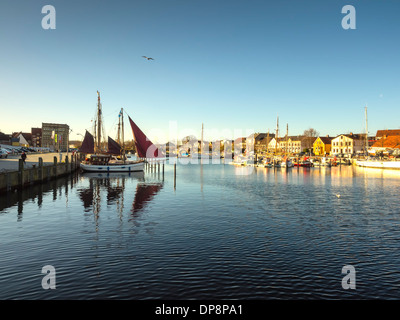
{"type": "Point", "coordinates": [269, 234]}
{"type": "Point", "coordinates": [144, 194]}
{"type": "Point", "coordinates": [58, 188]}
{"type": "Point", "coordinates": [114, 185]}
{"type": "Point", "coordinates": [91, 194]}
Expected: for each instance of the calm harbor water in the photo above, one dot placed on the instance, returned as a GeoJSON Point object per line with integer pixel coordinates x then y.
{"type": "Point", "coordinates": [225, 232]}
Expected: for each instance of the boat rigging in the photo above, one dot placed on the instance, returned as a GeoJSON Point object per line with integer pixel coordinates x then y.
{"type": "Point", "coordinates": [114, 158]}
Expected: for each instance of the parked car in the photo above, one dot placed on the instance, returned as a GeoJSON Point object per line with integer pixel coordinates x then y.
{"type": "Point", "coordinates": [8, 150]}
{"type": "Point", "coordinates": [3, 154]}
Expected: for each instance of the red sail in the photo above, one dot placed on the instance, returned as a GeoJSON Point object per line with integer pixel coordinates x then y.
{"type": "Point", "coordinates": [87, 144]}
{"type": "Point", "coordinates": [113, 146]}
{"type": "Point", "coordinates": [144, 147]}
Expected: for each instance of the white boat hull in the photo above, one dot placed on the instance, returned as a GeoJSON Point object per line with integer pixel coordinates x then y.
{"type": "Point", "coordinates": [127, 167]}
{"type": "Point", "coordinates": [379, 164]}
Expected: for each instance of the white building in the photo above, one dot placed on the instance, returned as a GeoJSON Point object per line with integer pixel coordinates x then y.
{"type": "Point", "coordinates": [21, 141]}
{"type": "Point", "coordinates": [291, 144]}
{"type": "Point", "coordinates": [348, 144]}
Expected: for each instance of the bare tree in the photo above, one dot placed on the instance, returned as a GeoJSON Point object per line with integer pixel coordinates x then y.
{"type": "Point", "coordinates": [311, 133]}
{"type": "Point", "coordinates": [309, 137]}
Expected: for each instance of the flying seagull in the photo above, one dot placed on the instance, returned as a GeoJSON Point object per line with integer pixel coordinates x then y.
{"type": "Point", "coordinates": [147, 58]}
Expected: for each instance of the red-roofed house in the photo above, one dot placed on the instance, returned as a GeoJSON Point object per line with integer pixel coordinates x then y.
{"type": "Point", "coordinates": [384, 144]}
{"type": "Point", "coordinates": [387, 133]}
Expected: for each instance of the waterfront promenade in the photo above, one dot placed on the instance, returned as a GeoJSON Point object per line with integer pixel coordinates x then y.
{"type": "Point", "coordinates": [36, 169]}
{"type": "Point", "coordinates": [32, 159]}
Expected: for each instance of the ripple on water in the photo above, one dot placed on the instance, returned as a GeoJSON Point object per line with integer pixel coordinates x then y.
{"type": "Point", "coordinates": [268, 234]}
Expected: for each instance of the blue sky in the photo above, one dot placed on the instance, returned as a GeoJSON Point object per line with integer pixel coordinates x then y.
{"type": "Point", "coordinates": [232, 65]}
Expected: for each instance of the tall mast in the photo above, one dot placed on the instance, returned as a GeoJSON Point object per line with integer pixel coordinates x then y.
{"type": "Point", "coordinates": [99, 124]}
{"type": "Point", "coordinates": [95, 135]}
{"type": "Point", "coordinates": [122, 125]}
{"type": "Point", "coordinates": [123, 141]}
{"type": "Point", "coordinates": [119, 129]}
{"type": "Point", "coordinates": [277, 133]}
{"type": "Point", "coordinates": [287, 137]}
{"type": "Point", "coordinates": [201, 146]}
{"type": "Point", "coordinates": [366, 130]}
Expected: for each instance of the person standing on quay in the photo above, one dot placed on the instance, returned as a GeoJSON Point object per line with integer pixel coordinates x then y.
{"type": "Point", "coordinates": [23, 156]}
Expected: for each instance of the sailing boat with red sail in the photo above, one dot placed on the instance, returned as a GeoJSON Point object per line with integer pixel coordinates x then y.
{"type": "Point", "coordinates": [114, 159]}
{"type": "Point", "coordinates": [144, 147]}
{"type": "Point", "coordinates": [87, 144]}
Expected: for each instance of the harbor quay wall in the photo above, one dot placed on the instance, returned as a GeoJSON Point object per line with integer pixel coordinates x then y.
{"type": "Point", "coordinates": [28, 176]}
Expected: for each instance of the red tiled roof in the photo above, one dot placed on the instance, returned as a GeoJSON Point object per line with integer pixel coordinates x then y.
{"type": "Point", "coordinates": [383, 133]}
{"type": "Point", "coordinates": [392, 142]}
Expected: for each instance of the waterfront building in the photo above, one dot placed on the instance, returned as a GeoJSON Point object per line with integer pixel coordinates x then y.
{"type": "Point", "coordinates": [387, 144]}
{"type": "Point", "coordinates": [263, 143]}
{"type": "Point", "coordinates": [250, 142]}
{"type": "Point", "coordinates": [258, 142]}
{"type": "Point", "coordinates": [239, 145]}
{"type": "Point", "coordinates": [170, 148]}
{"type": "Point", "coordinates": [382, 134]}
{"type": "Point", "coordinates": [36, 137]}
{"type": "Point", "coordinates": [322, 146]}
{"type": "Point", "coordinates": [21, 139]}
{"type": "Point", "coordinates": [229, 147]}
{"type": "Point", "coordinates": [348, 144]}
{"type": "Point", "coordinates": [290, 144]}
{"type": "Point", "coordinates": [307, 143]}
{"type": "Point", "coordinates": [5, 138]}
{"type": "Point", "coordinates": [55, 136]}
{"type": "Point", "coordinates": [273, 145]}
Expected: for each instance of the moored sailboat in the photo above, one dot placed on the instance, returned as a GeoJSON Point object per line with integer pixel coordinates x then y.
{"type": "Point", "coordinates": [386, 164]}
{"type": "Point", "coordinates": [375, 163]}
{"type": "Point", "coordinates": [114, 158]}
